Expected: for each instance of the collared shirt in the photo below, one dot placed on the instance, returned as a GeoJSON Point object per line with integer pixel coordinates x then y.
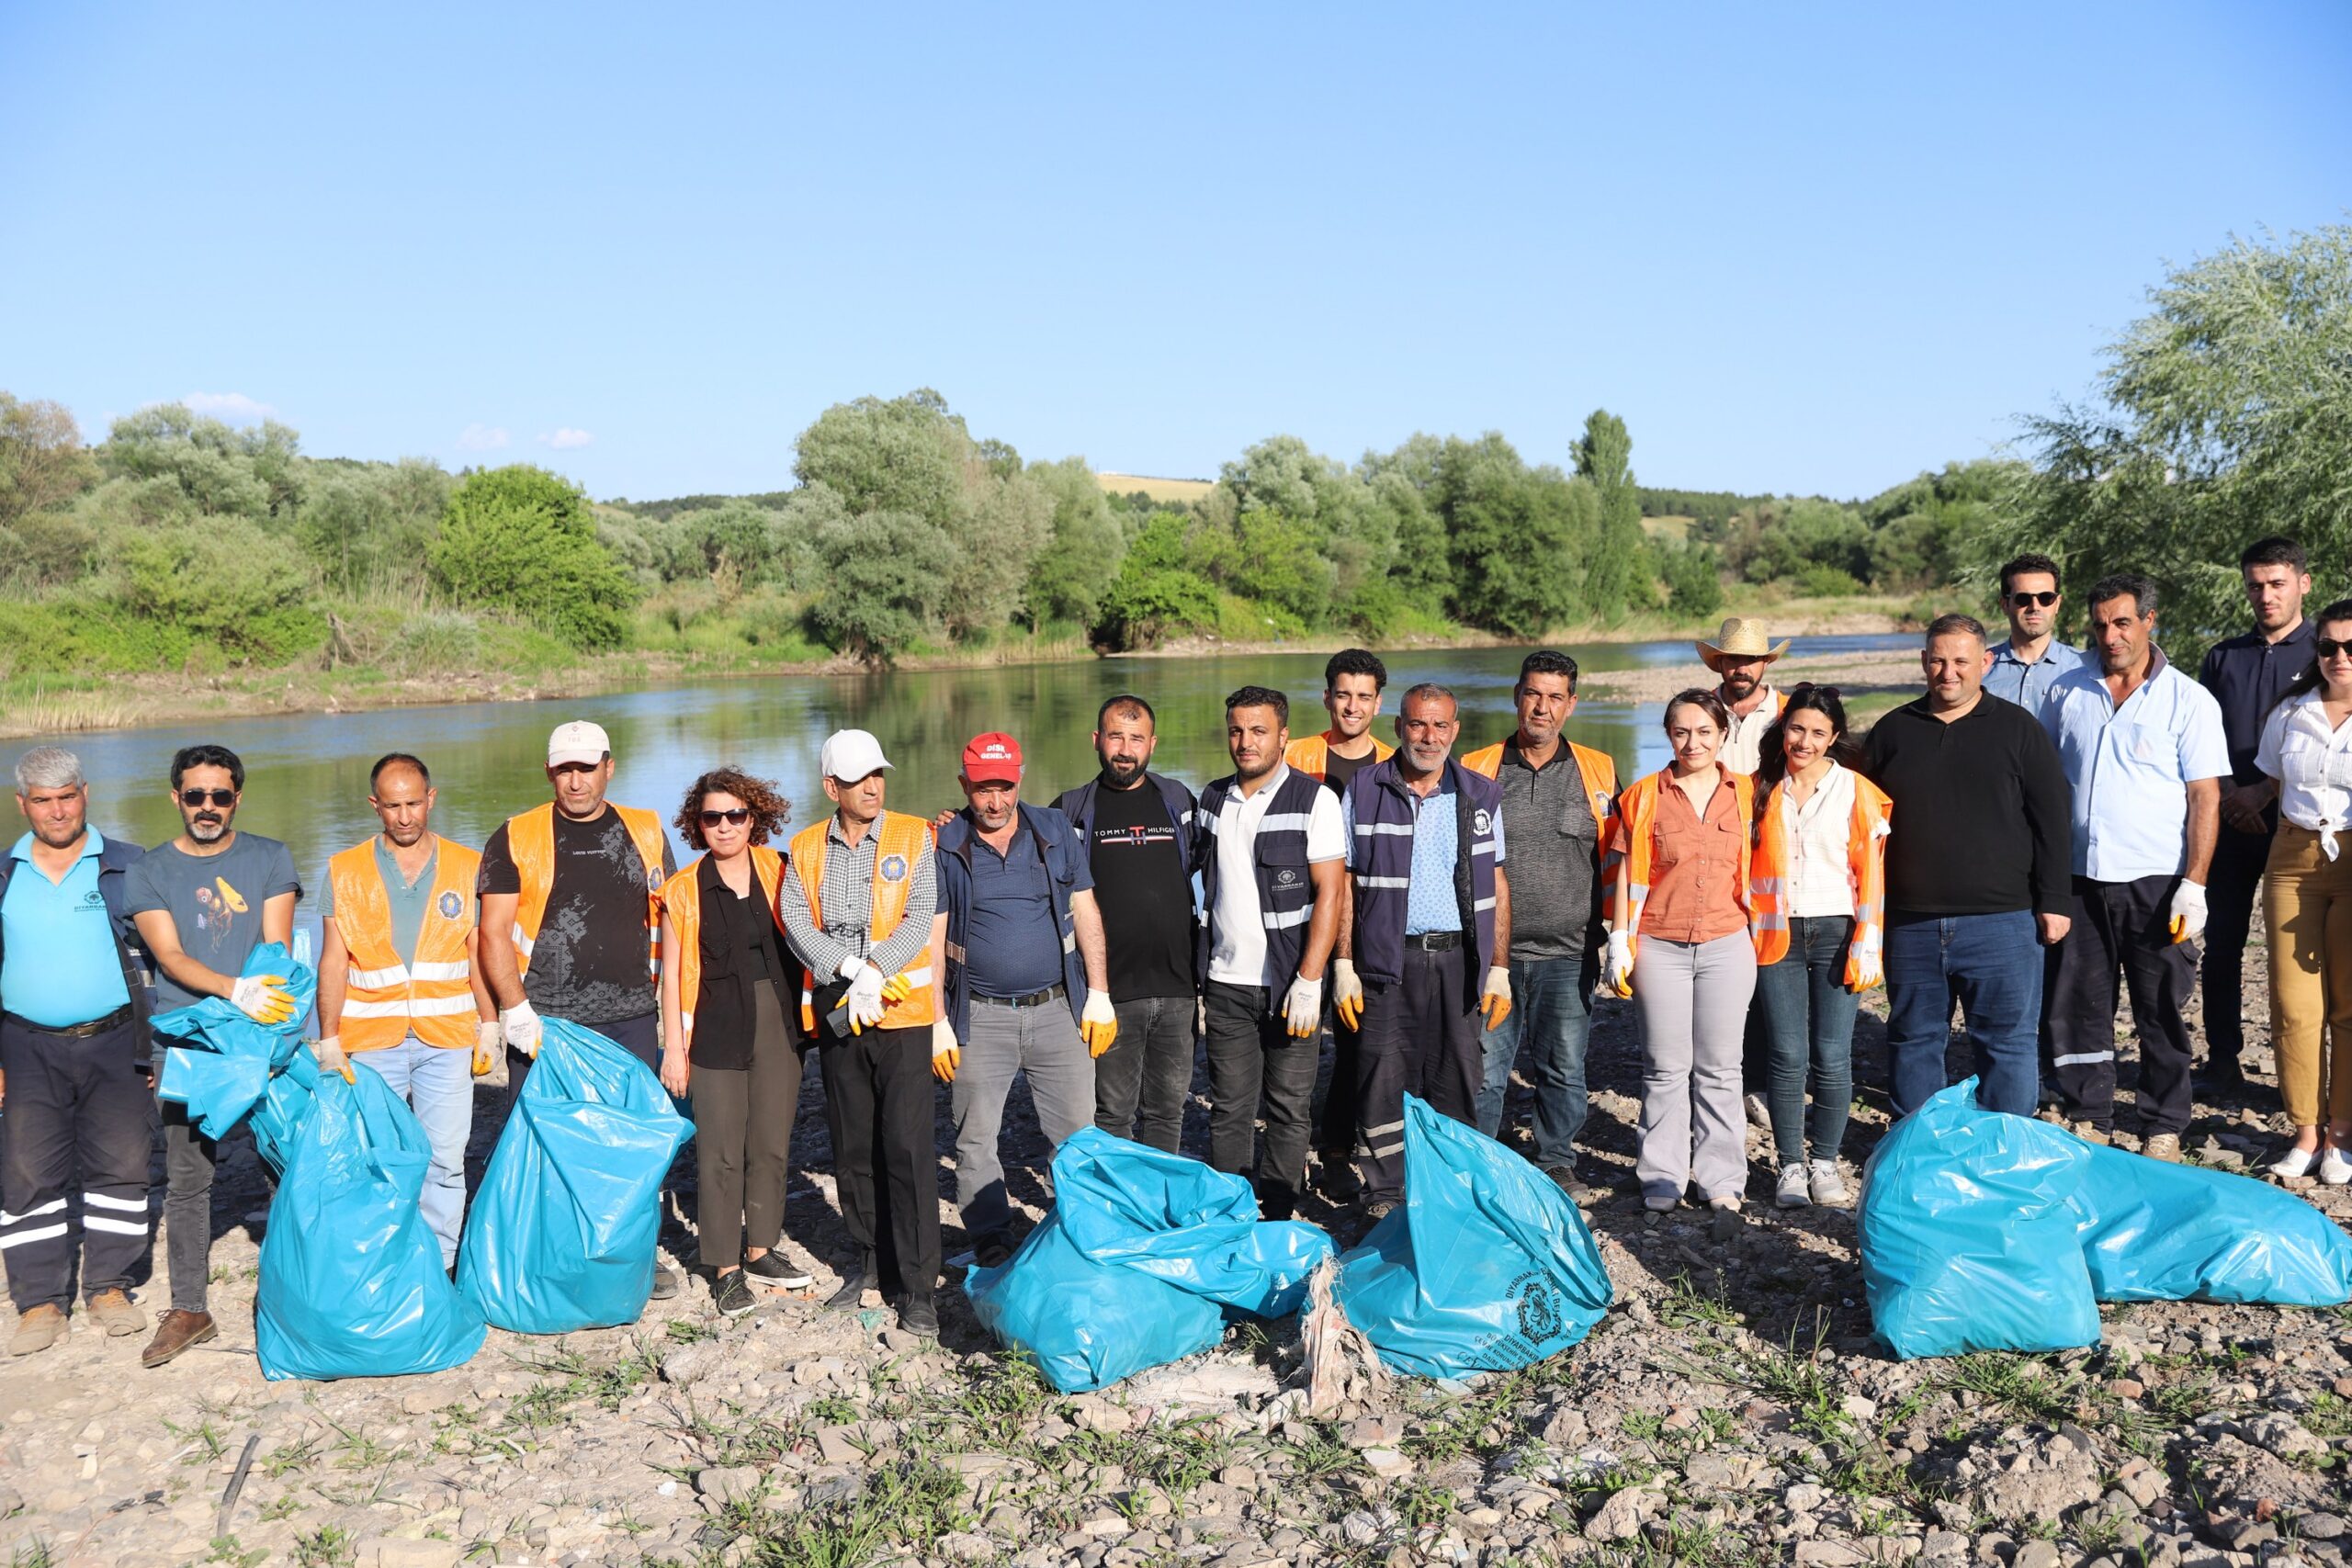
{"type": "Point", "coordinates": [1238, 937]}
{"type": "Point", "coordinates": [59, 967]}
{"type": "Point", "coordinates": [1013, 945]}
{"type": "Point", "coordinates": [1743, 748]}
{"type": "Point", "coordinates": [846, 892]}
{"type": "Point", "coordinates": [1553, 879]}
{"type": "Point", "coordinates": [2247, 675]}
{"type": "Point", "coordinates": [1431, 903]}
{"type": "Point", "coordinates": [2131, 767]}
{"type": "Point", "coordinates": [1695, 874]}
{"type": "Point", "coordinates": [2028, 685]}
{"type": "Point", "coordinates": [2313, 764]}
{"type": "Point", "coordinates": [407, 900]}
{"type": "Point", "coordinates": [1821, 870]}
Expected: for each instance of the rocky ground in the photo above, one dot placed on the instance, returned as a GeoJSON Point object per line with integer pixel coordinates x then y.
{"type": "Point", "coordinates": [1730, 1408]}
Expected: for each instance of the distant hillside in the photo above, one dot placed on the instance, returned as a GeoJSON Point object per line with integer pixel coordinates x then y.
{"type": "Point", "coordinates": [1158, 488]}
{"type": "Point", "coordinates": [662, 511]}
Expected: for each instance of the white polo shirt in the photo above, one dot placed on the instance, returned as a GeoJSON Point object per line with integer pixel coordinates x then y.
{"type": "Point", "coordinates": [1238, 937]}
{"type": "Point", "coordinates": [2131, 767]}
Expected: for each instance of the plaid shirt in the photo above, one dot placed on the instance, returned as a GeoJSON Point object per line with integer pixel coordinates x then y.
{"type": "Point", "coordinates": [846, 894]}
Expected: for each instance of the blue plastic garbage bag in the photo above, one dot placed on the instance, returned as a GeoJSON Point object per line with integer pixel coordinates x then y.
{"type": "Point", "coordinates": [283, 1105]}
{"type": "Point", "coordinates": [1138, 1264]}
{"type": "Point", "coordinates": [562, 1232]}
{"type": "Point", "coordinates": [351, 1277]}
{"type": "Point", "coordinates": [1967, 1240]}
{"type": "Point", "coordinates": [2153, 1232]}
{"type": "Point", "coordinates": [1486, 1266]}
{"type": "Point", "coordinates": [220, 1061]}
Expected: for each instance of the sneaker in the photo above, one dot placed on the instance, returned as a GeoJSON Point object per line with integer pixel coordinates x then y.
{"type": "Point", "coordinates": [732, 1295]}
{"type": "Point", "coordinates": [2164, 1146]}
{"type": "Point", "coordinates": [2334, 1170]}
{"type": "Point", "coordinates": [37, 1329]}
{"type": "Point", "coordinates": [2294, 1164]}
{"type": "Point", "coordinates": [113, 1312]}
{"type": "Point", "coordinates": [1728, 1203]}
{"type": "Point", "coordinates": [2090, 1132]}
{"type": "Point", "coordinates": [1828, 1186]}
{"type": "Point", "coordinates": [665, 1284]}
{"type": "Point", "coordinates": [1660, 1202]}
{"type": "Point", "coordinates": [918, 1314]}
{"type": "Point", "coordinates": [174, 1332]}
{"type": "Point", "coordinates": [778, 1270]}
{"type": "Point", "coordinates": [1760, 1114]}
{"type": "Point", "coordinates": [1796, 1187]}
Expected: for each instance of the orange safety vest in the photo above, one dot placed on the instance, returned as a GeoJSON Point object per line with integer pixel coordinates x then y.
{"type": "Point", "coordinates": [1637, 816]}
{"type": "Point", "coordinates": [902, 840]}
{"type": "Point", "coordinates": [433, 996]}
{"type": "Point", "coordinates": [1599, 771]}
{"type": "Point", "coordinates": [530, 838]}
{"type": "Point", "coordinates": [1865, 862]}
{"type": "Point", "coordinates": [1312, 755]}
{"type": "Point", "coordinates": [682, 901]}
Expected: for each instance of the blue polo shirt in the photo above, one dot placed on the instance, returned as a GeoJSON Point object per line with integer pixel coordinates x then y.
{"type": "Point", "coordinates": [2028, 685]}
{"type": "Point", "coordinates": [1430, 903]}
{"type": "Point", "coordinates": [1013, 946]}
{"type": "Point", "coordinates": [59, 967]}
{"type": "Point", "coordinates": [2131, 767]}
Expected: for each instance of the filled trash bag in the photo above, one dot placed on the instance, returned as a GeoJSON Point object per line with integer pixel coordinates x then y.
{"type": "Point", "coordinates": [1486, 1266]}
{"type": "Point", "coordinates": [219, 1061]}
{"type": "Point", "coordinates": [351, 1277]}
{"type": "Point", "coordinates": [1138, 1264]}
{"type": "Point", "coordinates": [2153, 1232]}
{"type": "Point", "coordinates": [281, 1109]}
{"type": "Point", "coordinates": [562, 1232]}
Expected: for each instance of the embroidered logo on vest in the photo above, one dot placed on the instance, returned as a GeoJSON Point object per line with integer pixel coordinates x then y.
{"type": "Point", "coordinates": [894, 868]}
{"type": "Point", "coordinates": [1481, 823]}
{"type": "Point", "coordinates": [450, 904]}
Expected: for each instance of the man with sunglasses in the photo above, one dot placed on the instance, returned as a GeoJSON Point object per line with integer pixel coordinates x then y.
{"type": "Point", "coordinates": [202, 903]}
{"type": "Point", "coordinates": [2247, 675]}
{"type": "Point", "coordinates": [2031, 662]}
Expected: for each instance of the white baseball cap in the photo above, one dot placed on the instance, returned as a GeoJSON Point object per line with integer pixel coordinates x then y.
{"type": "Point", "coordinates": [850, 755]}
{"type": "Point", "coordinates": [578, 741]}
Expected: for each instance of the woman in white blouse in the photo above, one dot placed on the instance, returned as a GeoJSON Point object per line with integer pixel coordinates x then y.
{"type": "Point", "coordinates": [1818, 891]}
{"type": "Point", "coordinates": [2306, 753]}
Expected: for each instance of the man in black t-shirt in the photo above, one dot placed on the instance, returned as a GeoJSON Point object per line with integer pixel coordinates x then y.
{"type": "Point", "coordinates": [1138, 827]}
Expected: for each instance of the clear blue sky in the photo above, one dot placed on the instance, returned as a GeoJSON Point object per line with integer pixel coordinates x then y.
{"type": "Point", "coordinates": [1799, 247]}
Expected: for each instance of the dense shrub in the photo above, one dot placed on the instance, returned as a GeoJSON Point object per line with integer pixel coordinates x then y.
{"type": "Point", "coordinates": [519, 538]}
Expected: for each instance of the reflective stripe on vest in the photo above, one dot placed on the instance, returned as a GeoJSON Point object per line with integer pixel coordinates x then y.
{"type": "Point", "coordinates": [900, 845]}
{"type": "Point", "coordinates": [682, 901]}
{"type": "Point", "coordinates": [530, 838]}
{"type": "Point", "coordinates": [1770, 876]}
{"type": "Point", "coordinates": [432, 996]}
{"type": "Point", "coordinates": [1381, 861]}
{"type": "Point", "coordinates": [1278, 865]}
{"type": "Point", "coordinates": [1636, 841]}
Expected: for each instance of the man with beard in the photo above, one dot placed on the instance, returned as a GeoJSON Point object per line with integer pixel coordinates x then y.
{"type": "Point", "coordinates": [1425, 926]}
{"type": "Point", "coordinates": [1136, 827]}
{"type": "Point", "coordinates": [1270, 854]}
{"type": "Point", "coordinates": [1023, 942]}
{"type": "Point", "coordinates": [203, 902]}
{"type": "Point", "coordinates": [398, 985]}
{"type": "Point", "coordinates": [1741, 655]}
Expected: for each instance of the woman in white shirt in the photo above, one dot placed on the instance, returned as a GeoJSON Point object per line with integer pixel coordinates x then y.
{"type": "Point", "coordinates": [1818, 892]}
{"type": "Point", "coordinates": [2306, 753]}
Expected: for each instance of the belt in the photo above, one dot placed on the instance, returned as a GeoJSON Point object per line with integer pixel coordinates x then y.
{"type": "Point", "coordinates": [1033, 999]}
{"type": "Point", "coordinates": [1435, 941]}
{"type": "Point", "coordinates": [114, 1019]}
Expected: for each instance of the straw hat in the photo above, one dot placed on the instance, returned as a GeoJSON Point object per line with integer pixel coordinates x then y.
{"type": "Point", "coordinates": [1740, 639]}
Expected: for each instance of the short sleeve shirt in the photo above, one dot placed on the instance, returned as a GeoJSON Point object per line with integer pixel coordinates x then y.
{"type": "Point", "coordinates": [2131, 767]}
{"type": "Point", "coordinates": [215, 902]}
{"type": "Point", "coordinates": [2313, 764]}
{"type": "Point", "coordinates": [2013, 680]}
{"type": "Point", "coordinates": [1238, 948]}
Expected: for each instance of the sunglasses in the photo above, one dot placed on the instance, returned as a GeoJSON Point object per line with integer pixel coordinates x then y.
{"type": "Point", "coordinates": [739, 816]}
{"type": "Point", "coordinates": [217, 797]}
{"type": "Point", "coordinates": [2022, 599]}
{"type": "Point", "coordinates": [2328, 647]}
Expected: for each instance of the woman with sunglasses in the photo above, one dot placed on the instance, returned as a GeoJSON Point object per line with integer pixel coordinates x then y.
{"type": "Point", "coordinates": [2306, 752]}
{"type": "Point", "coordinates": [729, 1040]}
{"type": "Point", "coordinates": [1818, 891]}
{"type": "Point", "coordinates": [1680, 946]}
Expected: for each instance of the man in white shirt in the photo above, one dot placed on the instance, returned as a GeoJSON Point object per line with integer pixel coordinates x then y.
{"type": "Point", "coordinates": [2142, 745]}
{"type": "Point", "coordinates": [1742, 657]}
{"type": "Point", "coordinates": [1271, 868]}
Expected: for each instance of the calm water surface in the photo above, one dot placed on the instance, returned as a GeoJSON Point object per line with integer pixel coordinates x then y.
{"type": "Point", "coordinates": [307, 775]}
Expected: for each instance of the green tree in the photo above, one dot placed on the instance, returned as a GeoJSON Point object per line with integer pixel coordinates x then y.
{"type": "Point", "coordinates": [370, 525]}
{"type": "Point", "coordinates": [521, 539]}
{"type": "Point", "coordinates": [223, 579]}
{"type": "Point", "coordinates": [247, 473]}
{"type": "Point", "coordinates": [1157, 591]}
{"type": "Point", "coordinates": [1071, 574]}
{"type": "Point", "coordinates": [1516, 536]}
{"type": "Point", "coordinates": [43, 463]}
{"type": "Point", "coordinates": [885, 573]}
{"type": "Point", "coordinates": [1616, 575]}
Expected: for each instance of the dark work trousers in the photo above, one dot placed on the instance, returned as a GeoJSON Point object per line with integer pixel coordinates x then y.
{"type": "Point", "coordinates": [1335, 1131]}
{"type": "Point", "coordinates": [1254, 1061]}
{"type": "Point", "coordinates": [1420, 1037]}
{"type": "Point", "coordinates": [743, 1137]}
{"type": "Point", "coordinates": [188, 1159]}
{"type": "Point", "coordinates": [2123, 927]}
{"type": "Point", "coordinates": [2230, 884]}
{"type": "Point", "coordinates": [879, 1105]}
{"type": "Point", "coordinates": [1141, 1082]}
{"type": "Point", "coordinates": [76, 1107]}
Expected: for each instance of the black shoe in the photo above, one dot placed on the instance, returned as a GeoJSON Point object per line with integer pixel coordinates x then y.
{"type": "Point", "coordinates": [665, 1284]}
{"type": "Point", "coordinates": [777, 1270]}
{"type": "Point", "coordinates": [1336, 1177]}
{"type": "Point", "coordinates": [2225, 1078]}
{"type": "Point", "coordinates": [853, 1287]}
{"type": "Point", "coordinates": [732, 1295]}
{"type": "Point", "coordinates": [991, 1252]}
{"type": "Point", "coordinates": [917, 1315]}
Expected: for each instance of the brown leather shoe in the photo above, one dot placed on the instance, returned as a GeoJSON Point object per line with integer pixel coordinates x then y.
{"type": "Point", "coordinates": [37, 1329]}
{"type": "Point", "coordinates": [174, 1332]}
{"type": "Point", "coordinates": [113, 1312]}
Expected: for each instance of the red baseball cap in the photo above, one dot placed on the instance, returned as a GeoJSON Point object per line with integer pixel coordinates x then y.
{"type": "Point", "coordinates": [994, 755]}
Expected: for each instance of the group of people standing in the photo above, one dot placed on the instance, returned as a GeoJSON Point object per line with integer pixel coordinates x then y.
{"type": "Point", "coordinates": [2041, 830]}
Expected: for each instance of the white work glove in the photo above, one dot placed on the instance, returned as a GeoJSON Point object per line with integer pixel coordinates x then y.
{"type": "Point", "coordinates": [328, 1048]}
{"type": "Point", "coordinates": [1304, 1007]}
{"type": "Point", "coordinates": [1097, 1023]}
{"type": "Point", "coordinates": [1869, 969]}
{"type": "Point", "coordinates": [262, 998]}
{"type": "Point", "coordinates": [520, 1024]}
{"type": "Point", "coordinates": [489, 1043]}
{"type": "Point", "coordinates": [865, 1000]}
{"type": "Point", "coordinates": [946, 1055]}
{"type": "Point", "coordinates": [1617, 972]}
{"type": "Point", "coordinates": [2189, 911]}
{"type": "Point", "coordinates": [1493, 1001]}
{"type": "Point", "coordinates": [1347, 992]}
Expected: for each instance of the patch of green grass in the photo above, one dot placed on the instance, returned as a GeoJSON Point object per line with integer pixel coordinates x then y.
{"type": "Point", "coordinates": [209, 1442]}
{"type": "Point", "coordinates": [830, 1410]}
{"type": "Point", "coordinates": [227, 1549]}
{"type": "Point", "coordinates": [325, 1547]}
{"type": "Point", "coordinates": [2023, 1385]}
{"type": "Point", "coordinates": [906, 1505]}
{"type": "Point", "coordinates": [1686, 1305]}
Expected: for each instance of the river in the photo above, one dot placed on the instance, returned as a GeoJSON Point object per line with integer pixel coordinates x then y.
{"type": "Point", "coordinates": [307, 774]}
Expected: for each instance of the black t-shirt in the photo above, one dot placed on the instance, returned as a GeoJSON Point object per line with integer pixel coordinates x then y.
{"type": "Point", "coordinates": [1339, 770]}
{"type": "Point", "coordinates": [588, 964]}
{"type": "Point", "coordinates": [1144, 896]}
{"type": "Point", "coordinates": [741, 953]}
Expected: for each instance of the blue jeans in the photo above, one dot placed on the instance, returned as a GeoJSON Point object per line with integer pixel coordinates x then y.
{"type": "Point", "coordinates": [1551, 1012]}
{"type": "Point", "coordinates": [1809, 1024]}
{"type": "Point", "coordinates": [1992, 966]}
{"type": "Point", "coordinates": [438, 1085]}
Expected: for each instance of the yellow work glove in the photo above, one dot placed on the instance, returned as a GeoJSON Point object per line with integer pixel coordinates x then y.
{"type": "Point", "coordinates": [263, 998]}
{"type": "Point", "coordinates": [489, 1041]}
{"type": "Point", "coordinates": [1098, 1025]}
{"type": "Point", "coordinates": [1495, 1000]}
{"type": "Point", "coordinates": [946, 1055]}
{"type": "Point", "coordinates": [328, 1051]}
{"type": "Point", "coordinates": [1303, 1007]}
{"type": "Point", "coordinates": [1617, 973]}
{"type": "Point", "coordinates": [1347, 992]}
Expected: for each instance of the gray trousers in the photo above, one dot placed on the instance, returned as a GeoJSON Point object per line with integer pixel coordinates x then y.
{"type": "Point", "coordinates": [188, 1159]}
{"type": "Point", "coordinates": [1141, 1082]}
{"type": "Point", "coordinates": [1005, 1042]}
{"type": "Point", "coordinates": [1693, 1001]}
